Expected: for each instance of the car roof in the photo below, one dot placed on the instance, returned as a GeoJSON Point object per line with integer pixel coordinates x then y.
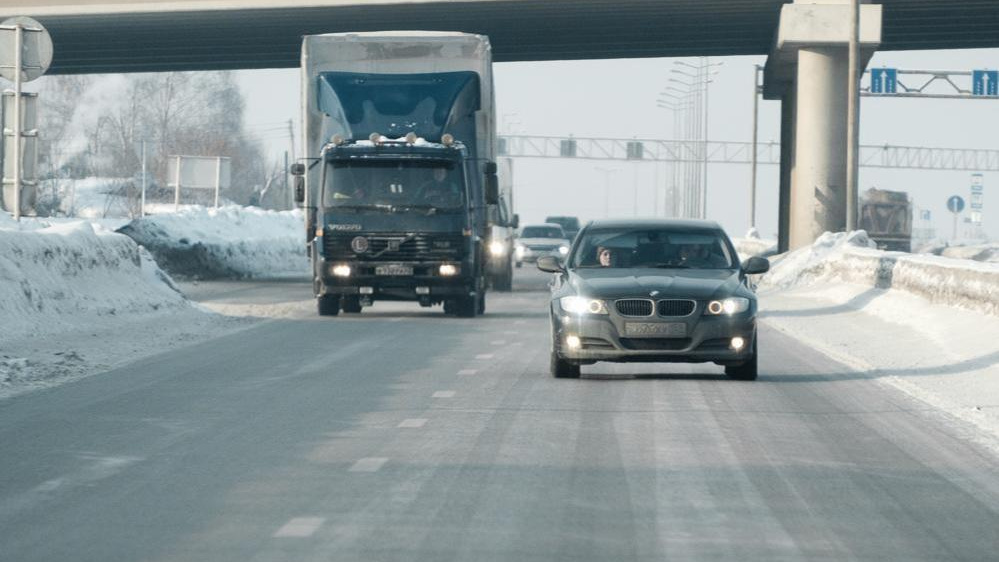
{"type": "Point", "coordinates": [695, 225]}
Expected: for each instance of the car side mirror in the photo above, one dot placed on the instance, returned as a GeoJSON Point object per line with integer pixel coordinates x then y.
{"type": "Point", "coordinates": [550, 264]}
{"type": "Point", "coordinates": [515, 222]}
{"type": "Point", "coordinates": [299, 189]}
{"type": "Point", "coordinates": [756, 265]}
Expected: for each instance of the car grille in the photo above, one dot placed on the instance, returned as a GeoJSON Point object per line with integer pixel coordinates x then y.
{"type": "Point", "coordinates": [415, 248]}
{"type": "Point", "coordinates": [655, 344]}
{"type": "Point", "coordinates": [675, 307]}
{"type": "Point", "coordinates": [542, 247]}
{"type": "Point", "coordinates": [634, 307]}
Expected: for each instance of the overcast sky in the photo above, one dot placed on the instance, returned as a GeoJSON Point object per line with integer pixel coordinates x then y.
{"type": "Point", "coordinates": [617, 98]}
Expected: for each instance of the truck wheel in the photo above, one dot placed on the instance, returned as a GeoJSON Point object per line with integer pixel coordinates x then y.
{"type": "Point", "coordinates": [465, 307]}
{"type": "Point", "coordinates": [351, 305]}
{"type": "Point", "coordinates": [504, 280]}
{"type": "Point", "coordinates": [329, 305]}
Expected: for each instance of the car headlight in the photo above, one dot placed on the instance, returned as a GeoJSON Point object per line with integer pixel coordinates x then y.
{"type": "Point", "coordinates": [731, 306]}
{"type": "Point", "coordinates": [497, 248]}
{"type": "Point", "coordinates": [563, 250]}
{"type": "Point", "coordinates": [521, 249]}
{"type": "Point", "coordinates": [581, 305]}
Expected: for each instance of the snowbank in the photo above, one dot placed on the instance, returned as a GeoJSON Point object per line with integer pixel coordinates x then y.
{"type": "Point", "coordinates": [753, 245]}
{"type": "Point", "coordinates": [852, 258]}
{"type": "Point", "coordinates": [51, 276]}
{"type": "Point", "coordinates": [230, 242]}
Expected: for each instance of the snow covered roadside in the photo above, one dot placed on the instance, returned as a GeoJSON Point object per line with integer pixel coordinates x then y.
{"type": "Point", "coordinates": [925, 325]}
{"type": "Point", "coordinates": [76, 298]}
{"type": "Point", "coordinates": [230, 242]}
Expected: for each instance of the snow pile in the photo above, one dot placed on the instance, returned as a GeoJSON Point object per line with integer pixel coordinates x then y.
{"type": "Point", "coordinates": [230, 242]}
{"type": "Point", "coordinates": [753, 245]}
{"type": "Point", "coordinates": [984, 252]}
{"type": "Point", "coordinates": [852, 258]}
{"type": "Point", "coordinates": [55, 277]}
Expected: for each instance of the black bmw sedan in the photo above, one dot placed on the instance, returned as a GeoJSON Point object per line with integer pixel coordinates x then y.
{"type": "Point", "coordinates": [653, 291]}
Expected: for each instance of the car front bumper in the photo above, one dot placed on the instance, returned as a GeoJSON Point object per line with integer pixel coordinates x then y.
{"type": "Point", "coordinates": [705, 339]}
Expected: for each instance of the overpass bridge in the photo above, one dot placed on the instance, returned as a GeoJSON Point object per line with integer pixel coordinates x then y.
{"type": "Point", "coordinates": [96, 36]}
{"type": "Point", "coordinates": [806, 41]}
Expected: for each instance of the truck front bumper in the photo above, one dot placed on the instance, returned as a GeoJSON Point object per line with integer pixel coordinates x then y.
{"type": "Point", "coordinates": [424, 284]}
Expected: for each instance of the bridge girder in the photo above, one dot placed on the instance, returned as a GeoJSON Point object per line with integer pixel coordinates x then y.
{"type": "Point", "coordinates": [142, 36]}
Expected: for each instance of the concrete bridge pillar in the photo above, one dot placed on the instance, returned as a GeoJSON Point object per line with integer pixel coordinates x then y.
{"type": "Point", "coordinates": [808, 71]}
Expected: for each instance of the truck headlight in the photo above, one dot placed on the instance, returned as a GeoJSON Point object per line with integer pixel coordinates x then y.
{"type": "Point", "coordinates": [448, 270]}
{"type": "Point", "coordinates": [582, 305]}
{"type": "Point", "coordinates": [341, 270]}
{"type": "Point", "coordinates": [730, 306]}
{"type": "Point", "coordinates": [497, 248]}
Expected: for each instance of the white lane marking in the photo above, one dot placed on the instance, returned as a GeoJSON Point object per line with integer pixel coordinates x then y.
{"type": "Point", "coordinates": [484, 356]}
{"type": "Point", "coordinates": [444, 394]}
{"type": "Point", "coordinates": [369, 464]}
{"type": "Point", "coordinates": [413, 422]}
{"type": "Point", "coordinates": [498, 342]}
{"type": "Point", "coordinates": [510, 332]}
{"type": "Point", "coordinates": [520, 322]}
{"type": "Point", "coordinates": [468, 371]}
{"type": "Point", "coordinates": [396, 319]}
{"type": "Point", "coordinates": [300, 527]}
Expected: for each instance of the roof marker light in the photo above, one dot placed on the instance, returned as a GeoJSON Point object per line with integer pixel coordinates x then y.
{"type": "Point", "coordinates": [447, 139]}
{"type": "Point", "coordinates": [411, 137]}
{"type": "Point", "coordinates": [375, 138]}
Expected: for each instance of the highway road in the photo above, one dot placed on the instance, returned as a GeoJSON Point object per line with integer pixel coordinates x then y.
{"type": "Point", "coordinates": [402, 434]}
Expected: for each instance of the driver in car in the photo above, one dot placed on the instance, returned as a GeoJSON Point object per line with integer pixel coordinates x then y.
{"type": "Point", "coordinates": [699, 256]}
{"type": "Point", "coordinates": [439, 190]}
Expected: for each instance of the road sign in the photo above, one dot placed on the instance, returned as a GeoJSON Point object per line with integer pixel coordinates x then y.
{"type": "Point", "coordinates": [925, 215]}
{"type": "Point", "coordinates": [955, 204]}
{"type": "Point", "coordinates": [985, 82]}
{"type": "Point", "coordinates": [36, 48]}
{"type": "Point", "coordinates": [884, 80]}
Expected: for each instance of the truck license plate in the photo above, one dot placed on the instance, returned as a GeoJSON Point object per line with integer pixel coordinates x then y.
{"type": "Point", "coordinates": [393, 270]}
{"type": "Point", "coordinates": [656, 329]}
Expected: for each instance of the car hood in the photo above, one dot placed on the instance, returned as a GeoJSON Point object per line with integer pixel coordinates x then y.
{"type": "Point", "coordinates": [670, 283]}
{"type": "Point", "coordinates": [543, 241]}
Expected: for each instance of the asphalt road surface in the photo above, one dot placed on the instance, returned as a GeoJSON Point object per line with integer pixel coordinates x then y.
{"type": "Point", "coordinates": [403, 434]}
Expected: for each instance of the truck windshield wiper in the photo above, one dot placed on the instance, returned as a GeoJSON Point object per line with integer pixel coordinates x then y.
{"type": "Point", "coordinates": [372, 206]}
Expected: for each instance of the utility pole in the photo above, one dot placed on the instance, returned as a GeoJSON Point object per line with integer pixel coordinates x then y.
{"type": "Point", "coordinates": [142, 204]}
{"type": "Point", "coordinates": [853, 118]}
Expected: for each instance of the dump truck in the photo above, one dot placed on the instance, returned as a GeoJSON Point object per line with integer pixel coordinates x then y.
{"type": "Point", "coordinates": [399, 179]}
{"type": "Point", "coordinates": [887, 218]}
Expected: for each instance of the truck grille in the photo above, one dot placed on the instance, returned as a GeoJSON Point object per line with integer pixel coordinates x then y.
{"type": "Point", "coordinates": [634, 307]}
{"type": "Point", "coordinates": [397, 247]}
{"type": "Point", "coordinates": [675, 307]}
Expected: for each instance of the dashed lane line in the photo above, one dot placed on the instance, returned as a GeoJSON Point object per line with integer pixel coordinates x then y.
{"type": "Point", "coordinates": [444, 394]}
{"type": "Point", "coordinates": [369, 464]}
{"type": "Point", "coordinates": [412, 423]}
{"type": "Point", "coordinates": [300, 527]}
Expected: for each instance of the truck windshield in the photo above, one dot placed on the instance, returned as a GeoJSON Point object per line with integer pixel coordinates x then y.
{"type": "Point", "coordinates": [394, 185]}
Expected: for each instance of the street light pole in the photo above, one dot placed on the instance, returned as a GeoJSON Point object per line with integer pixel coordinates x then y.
{"type": "Point", "coordinates": [853, 118]}
{"type": "Point", "coordinates": [756, 134]}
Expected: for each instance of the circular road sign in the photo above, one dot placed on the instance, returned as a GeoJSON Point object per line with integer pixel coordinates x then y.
{"type": "Point", "coordinates": [36, 50]}
{"type": "Point", "coordinates": [955, 204]}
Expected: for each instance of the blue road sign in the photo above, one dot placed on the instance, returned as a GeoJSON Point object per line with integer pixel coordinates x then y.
{"type": "Point", "coordinates": [955, 204]}
{"type": "Point", "coordinates": [985, 82]}
{"type": "Point", "coordinates": [925, 215]}
{"type": "Point", "coordinates": [884, 80]}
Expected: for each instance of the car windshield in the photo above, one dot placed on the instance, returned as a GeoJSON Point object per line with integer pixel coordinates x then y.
{"type": "Point", "coordinates": [653, 248]}
{"type": "Point", "coordinates": [394, 184]}
{"type": "Point", "coordinates": [542, 232]}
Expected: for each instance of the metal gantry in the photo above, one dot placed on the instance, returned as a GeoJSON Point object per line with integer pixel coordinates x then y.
{"type": "Point", "coordinates": [730, 152]}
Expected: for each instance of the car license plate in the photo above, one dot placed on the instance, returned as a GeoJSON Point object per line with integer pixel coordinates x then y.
{"type": "Point", "coordinates": [656, 329]}
{"type": "Point", "coordinates": [393, 270]}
